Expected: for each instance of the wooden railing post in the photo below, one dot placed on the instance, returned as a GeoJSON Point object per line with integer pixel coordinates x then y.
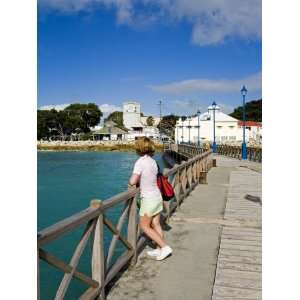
{"type": "Point", "coordinates": [214, 162]}
{"type": "Point", "coordinates": [98, 259]}
{"type": "Point", "coordinates": [203, 177]}
{"type": "Point", "coordinates": [203, 172]}
{"type": "Point", "coordinates": [132, 227]}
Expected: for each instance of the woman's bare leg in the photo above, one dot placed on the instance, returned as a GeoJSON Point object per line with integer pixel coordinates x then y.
{"type": "Point", "coordinates": [156, 225]}
{"type": "Point", "coordinates": [145, 224]}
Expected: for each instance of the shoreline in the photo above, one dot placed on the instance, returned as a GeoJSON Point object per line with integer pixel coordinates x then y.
{"type": "Point", "coordinates": [89, 146]}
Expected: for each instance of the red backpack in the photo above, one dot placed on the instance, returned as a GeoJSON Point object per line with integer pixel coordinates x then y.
{"type": "Point", "coordinates": [165, 186]}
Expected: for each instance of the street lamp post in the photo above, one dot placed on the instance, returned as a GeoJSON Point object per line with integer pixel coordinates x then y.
{"type": "Point", "coordinates": [182, 126]}
{"type": "Point", "coordinates": [198, 114]}
{"type": "Point", "coordinates": [214, 105]}
{"type": "Point", "coordinates": [244, 147]}
{"type": "Point", "coordinates": [189, 119]}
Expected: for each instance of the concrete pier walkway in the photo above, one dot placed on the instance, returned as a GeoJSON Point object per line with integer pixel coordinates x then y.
{"type": "Point", "coordinates": [216, 237]}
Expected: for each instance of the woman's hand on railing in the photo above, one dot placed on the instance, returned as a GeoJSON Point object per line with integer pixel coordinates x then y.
{"type": "Point", "coordinates": [131, 186]}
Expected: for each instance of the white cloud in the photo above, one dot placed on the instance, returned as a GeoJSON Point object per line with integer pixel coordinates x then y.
{"type": "Point", "coordinates": [252, 82]}
{"type": "Point", "coordinates": [105, 108]}
{"type": "Point", "coordinates": [212, 20]}
{"type": "Point", "coordinates": [190, 106]}
{"type": "Point", "coordinates": [57, 107]}
{"type": "Point", "coordinates": [215, 20]}
{"type": "Point", "coordinates": [109, 108]}
{"type": "Point", "coordinates": [186, 105]}
{"type": "Point", "coordinates": [226, 108]}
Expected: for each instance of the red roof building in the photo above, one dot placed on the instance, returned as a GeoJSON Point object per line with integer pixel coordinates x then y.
{"type": "Point", "coordinates": [250, 124]}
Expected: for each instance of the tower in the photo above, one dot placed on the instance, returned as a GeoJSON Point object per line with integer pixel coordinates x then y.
{"type": "Point", "coordinates": [132, 115]}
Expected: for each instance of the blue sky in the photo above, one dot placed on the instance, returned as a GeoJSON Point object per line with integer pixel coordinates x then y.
{"type": "Point", "coordinates": [186, 53]}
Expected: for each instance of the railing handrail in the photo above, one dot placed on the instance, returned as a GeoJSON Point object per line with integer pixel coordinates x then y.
{"type": "Point", "coordinates": [187, 163]}
{"type": "Point", "coordinates": [235, 151]}
{"type": "Point", "coordinates": [58, 229]}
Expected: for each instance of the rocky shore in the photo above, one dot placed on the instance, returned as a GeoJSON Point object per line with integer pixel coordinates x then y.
{"type": "Point", "coordinates": [89, 146]}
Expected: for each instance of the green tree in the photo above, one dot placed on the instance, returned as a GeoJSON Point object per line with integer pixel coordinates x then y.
{"type": "Point", "coordinates": [52, 122]}
{"type": "Point", "coordinates": [150, 121]}
{"type": "Point", "coordinates": [117, 117]}
{"type": "Point", "coordinates": [42, 127]}
{"type": "Point", "coordinates": [83, 115]}
{"type": "Point", "coordinates": [183, 118]}
{"type": "Point", "coordinates": [74, 118]}
{"type": "Point", "coordinates": [167, 125]}
{"type": "Point", "coordinates": [47, 123]}
{"type": "Point", "coordinates": [253, 111]}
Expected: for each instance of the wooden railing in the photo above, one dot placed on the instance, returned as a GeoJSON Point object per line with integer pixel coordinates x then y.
{"type": "Point", "coordinates": [184, 178]}
{"type": "Point", "coordinates": [184, 149]}
{"type": "Point", "coordinates": [190, 150]}
{"type": "Point", "coordinates": [253, 153]}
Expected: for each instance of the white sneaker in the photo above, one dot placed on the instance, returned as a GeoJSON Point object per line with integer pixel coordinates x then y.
{"type": "Point", "coordinates": [154, 253]}
{"type": "Point", "coordinates": [164, 252]}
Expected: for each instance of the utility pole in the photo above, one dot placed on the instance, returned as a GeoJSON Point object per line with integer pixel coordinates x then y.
{"type": "Point", "coordinates": [159, 128]}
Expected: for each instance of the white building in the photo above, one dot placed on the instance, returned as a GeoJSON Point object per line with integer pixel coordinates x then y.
{"type": "Point", "coordinates": [253, 131]}
{"type": "Point", "coordinates": [149, 131]}
{"type": "Point", "coordinates": [227, 128]}
{"type": "Point", "coordinates": [132, 116]}
{"type": "Point", "coordinates": [135, 123]}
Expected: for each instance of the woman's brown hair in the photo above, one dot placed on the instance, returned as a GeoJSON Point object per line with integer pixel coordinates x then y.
{"type": "Point", "coordinates": [144, 146]}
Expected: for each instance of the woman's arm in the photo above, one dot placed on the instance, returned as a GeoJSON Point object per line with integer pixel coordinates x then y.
{"type": "Point", "coordinates": [136, 174]}
{"type": "Point", "coordinates": [134, 179]}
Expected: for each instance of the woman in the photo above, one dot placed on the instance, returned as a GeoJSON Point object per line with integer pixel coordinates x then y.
{"type": "Point", "coordinates": [145, 173]}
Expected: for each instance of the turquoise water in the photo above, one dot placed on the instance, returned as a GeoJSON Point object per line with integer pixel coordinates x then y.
{"type": "Point", "coordinates": [67, 181]}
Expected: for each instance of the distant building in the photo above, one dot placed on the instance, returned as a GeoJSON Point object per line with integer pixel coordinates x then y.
{"type": "Point", "coordinates": [137, 124]}
{"type": "Point", "coordinates": [227, 128]}
{"type": "Point", "coordinates": [148, 131]}
{"type": "Point", "coordinates": [110, 132]}
{"type": "Point", "coordinates": [132, 116]}
{"type": "Point", "coordinates": [253, 130]}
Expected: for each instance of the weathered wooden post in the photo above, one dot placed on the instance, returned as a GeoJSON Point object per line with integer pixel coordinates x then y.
{"type": "Point", "coordinates": [98, 259]}
{"type": "Point", "coordinates": [132, 227]}
{"type": "Point", "coordinates": [209, 164]}
{"type": "Point", "coordinates": [214, 162]}
{"type": "Point", "coordinates": [203, 172]}
{"type": "Point", "coordinates": [203, 177]}
{"type": "Point", "coordinates": [189, 177]}
{"type": "Point", "coordinates": [183, 180]}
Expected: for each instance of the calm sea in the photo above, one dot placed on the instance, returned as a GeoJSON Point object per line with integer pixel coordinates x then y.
{"type": "Point", "coordinates": [67, 181]}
